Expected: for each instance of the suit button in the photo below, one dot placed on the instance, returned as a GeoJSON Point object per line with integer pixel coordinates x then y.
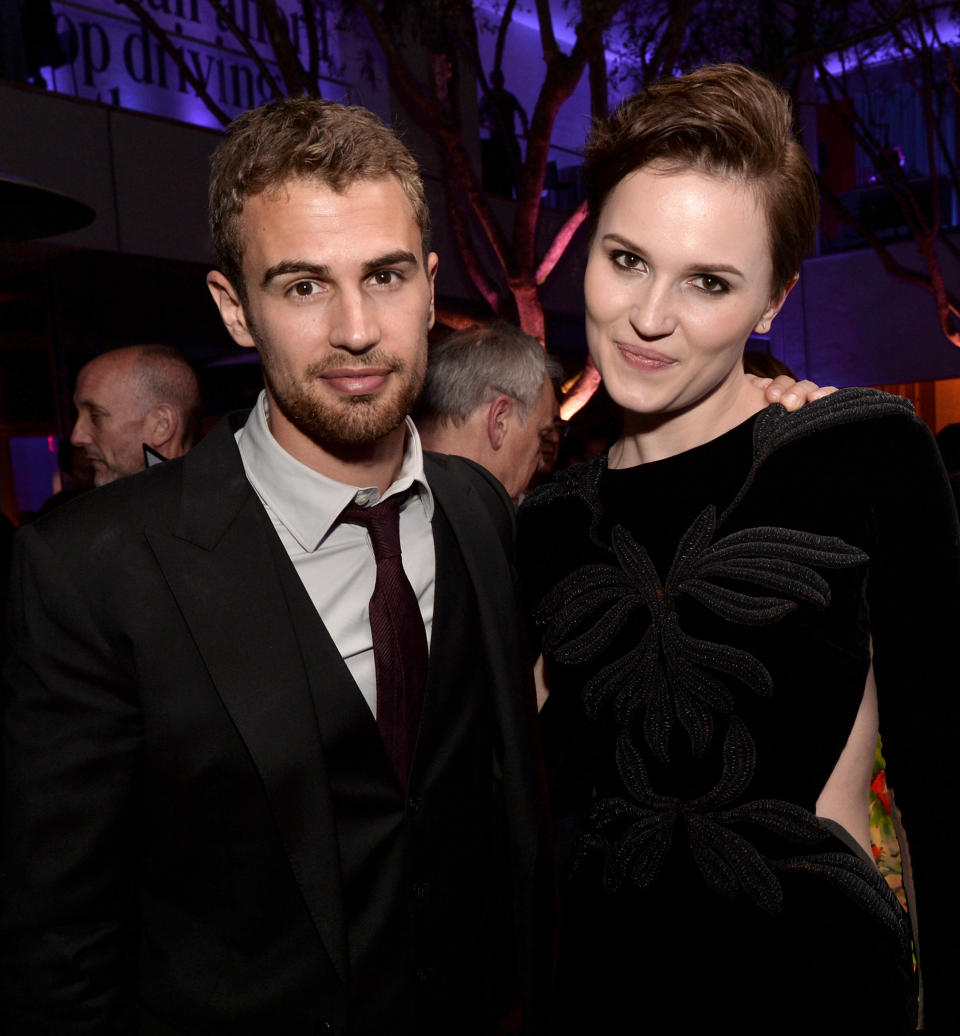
{"type": "Point", "coordinates": [323, 1028]}
{"type": "Point", "coordinates": [424, 975]}
{"type": "Point", "coordinates": [418, 889]}
{"type": "Point", "coordinates": [414, 805]}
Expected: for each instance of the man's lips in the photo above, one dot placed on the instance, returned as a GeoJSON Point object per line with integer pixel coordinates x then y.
{"type": "Point", "coordinates": [644, 358]}
{"type": "Point", "coordinates": [356, 381]}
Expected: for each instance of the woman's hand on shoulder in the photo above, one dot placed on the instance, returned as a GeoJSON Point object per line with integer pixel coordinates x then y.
{"type": "Point", "coordinates": [791, 393]}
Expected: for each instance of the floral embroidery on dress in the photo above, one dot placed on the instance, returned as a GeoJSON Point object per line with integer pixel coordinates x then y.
{"type": "Point", "coordinates": [670, 673]}
{"type": "Point", "coordinates": [638, 834]}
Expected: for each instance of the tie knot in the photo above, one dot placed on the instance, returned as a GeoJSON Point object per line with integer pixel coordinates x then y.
{"type": "Point", "coordinates": [382, 521]}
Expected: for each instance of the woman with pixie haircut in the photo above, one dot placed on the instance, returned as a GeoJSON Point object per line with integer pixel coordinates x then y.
{"type": "Point", "coordinates": [726, 602]}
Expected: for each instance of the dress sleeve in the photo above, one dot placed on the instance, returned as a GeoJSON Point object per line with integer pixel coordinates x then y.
{"type": "Point", "coordinates": [914, 600]}
{"type": "Point", "coordinates": [71, 741]}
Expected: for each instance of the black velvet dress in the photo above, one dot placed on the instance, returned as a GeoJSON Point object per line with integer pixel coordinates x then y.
{"type": "Point", "coordinates": [707, 623]}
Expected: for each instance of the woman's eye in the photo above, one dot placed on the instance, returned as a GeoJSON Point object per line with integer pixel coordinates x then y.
{"type": "Point", "coordinates": [712, 285]}
{"type": "Point", "coordinates": [628, 260]}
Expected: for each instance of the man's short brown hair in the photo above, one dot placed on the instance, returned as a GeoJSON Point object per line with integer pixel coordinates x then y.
{"type": "Point", "coordinates": [725, 120]}
{"type": "Point", "coordinates": [302, 138]}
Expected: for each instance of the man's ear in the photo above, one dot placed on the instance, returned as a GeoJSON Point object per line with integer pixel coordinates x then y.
{"type": "Point", "coordinates": [227, 300]}
{"type": "Point", "coordinates": [162, 428]}
{"type": "Point", "coordinates": [497, 415]}
{"type": "Point", "coordinates": [776, 304]}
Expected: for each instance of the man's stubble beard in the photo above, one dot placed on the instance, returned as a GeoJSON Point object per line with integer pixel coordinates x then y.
{"type": "Point", "coordinates": [353, 420]}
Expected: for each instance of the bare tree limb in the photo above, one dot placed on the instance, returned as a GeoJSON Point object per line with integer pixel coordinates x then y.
{"type": "Point", "coordinates": [579, 393]}
{"type": "Point", "coordinates": [890, 264]}
{"type": "Point", "coordinates": [548, 41]}
{"type": "Point", "coordinates": [176, 55]}
{"type": "Point", "coordinates": [455, 319]}
{"type": "Point", "coordinates": [294, 75]}
{"type": "Point", "coordinates": [668, 50]}
{"type": "Point", "coordinates": [560, 242]}
{"type": "Point", "coordinates": [433, 118]}
{"type": "Point", "coordinates": [465, 248]}
{"type": "Point", "coordinates": [228, 21]}
{"type": "Point", "coordinates": [502, 35]}
{"type": "Point", "coordinates": [313, 44]}
{"type": "Point", "coordinates": [834, 46]}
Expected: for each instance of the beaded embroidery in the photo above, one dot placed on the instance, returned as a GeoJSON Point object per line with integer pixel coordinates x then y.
{"type": "Point", "coordinates": [669, 673]}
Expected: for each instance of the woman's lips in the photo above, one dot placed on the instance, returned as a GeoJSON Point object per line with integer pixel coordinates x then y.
{"type": "Point", "coordinates": [644, 358]}
{"type": "Point", "coordinates": [361, 382]}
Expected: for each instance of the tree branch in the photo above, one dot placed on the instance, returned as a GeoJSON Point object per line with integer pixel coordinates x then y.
{"type": "Point", "coordinates": [560, 242]}
{"type": "Point", "coordinates": [548, 41]}
{"type": "Point", "coordinates": [313, 44]}
{"type": "Point", "coordinates": [465, 249]}
{"type": "Point", "coordinates": [431, 116]}
{"type": "Point", "coordinates": [224, 16]}
{"type": "Point", "coordinates": [176, 55]}
{"type": "Point", "coordinates": [455, 319]}
{"type": "Point", "coordinates": [579, 393]}
{"type": "Point", "coordinates": [668, 50]}
{"type": "Point", "coordinates": [294, 75]}
{"type": "Point", "coordinates": [890, 264]}
{"type": "Point", "coordinates": [502, 35]}
{"type": "Point", "coordinates": [865, 35]}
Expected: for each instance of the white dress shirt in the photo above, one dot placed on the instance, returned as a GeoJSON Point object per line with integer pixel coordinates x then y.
{"type": "Point", "coordinates": [334, 561]}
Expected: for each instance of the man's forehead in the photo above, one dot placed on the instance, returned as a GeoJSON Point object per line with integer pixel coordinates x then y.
{"type": "Point", "coordinates": [364, 220]}
{"type": "Point", "coordinates": [346, 193]}
{"type": "Point", "coordinates": [104, 380]}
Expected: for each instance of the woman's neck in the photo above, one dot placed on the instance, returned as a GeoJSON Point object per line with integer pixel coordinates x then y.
{"type": "Point", "coordinates": [652, 437]}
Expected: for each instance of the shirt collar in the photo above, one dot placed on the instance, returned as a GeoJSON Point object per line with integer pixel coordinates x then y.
{"type": "Point", "coordinates": [306, 502]}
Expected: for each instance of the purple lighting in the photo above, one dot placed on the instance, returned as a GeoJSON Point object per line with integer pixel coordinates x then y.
{"type": "Point", "coordinates": [115, 59]}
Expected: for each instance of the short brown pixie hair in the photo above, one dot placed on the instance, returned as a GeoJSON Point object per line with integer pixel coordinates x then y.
{"type": "Point", "coordinates": [302, 138]}
{"type": "Point", "coordinates": [725, 120]}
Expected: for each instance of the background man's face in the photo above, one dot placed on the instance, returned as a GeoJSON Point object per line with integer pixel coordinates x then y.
{"type": "Point", "coordinates": [110, 419]}
{"type": "Point", "coordinates": [339, 306]}
{"type": "Point", "coordinates": [523, 452]}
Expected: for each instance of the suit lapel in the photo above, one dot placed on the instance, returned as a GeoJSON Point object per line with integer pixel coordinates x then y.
{"type": "Point", "coordinates": [220, 566]}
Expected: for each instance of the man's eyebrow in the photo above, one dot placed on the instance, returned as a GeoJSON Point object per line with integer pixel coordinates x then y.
{"type": "Point", "coordinates": [400, 257]}
{"type": "Point", "coordinates": [295, 266]}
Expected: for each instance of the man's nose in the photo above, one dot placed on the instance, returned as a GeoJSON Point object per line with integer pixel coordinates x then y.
{"type": "Point", "coordinates": [353, 324]}
{"type": "Point", "coordinates": [79, 435]}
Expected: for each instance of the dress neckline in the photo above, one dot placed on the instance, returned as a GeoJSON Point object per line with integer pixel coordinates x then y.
{"type": "Point", "coordinates": [695, 456]}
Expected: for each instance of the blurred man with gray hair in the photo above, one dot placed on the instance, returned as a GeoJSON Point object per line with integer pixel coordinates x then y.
{"type": "Point", "coordinates": [489, 397]}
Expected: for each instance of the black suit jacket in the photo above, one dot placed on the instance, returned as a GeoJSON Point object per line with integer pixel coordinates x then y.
{"type": "Point", "coordinates": [170, 853]}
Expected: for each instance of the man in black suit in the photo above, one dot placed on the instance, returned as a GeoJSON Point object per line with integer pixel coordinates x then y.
{"type": "Point", "coordinates": [204, 829]}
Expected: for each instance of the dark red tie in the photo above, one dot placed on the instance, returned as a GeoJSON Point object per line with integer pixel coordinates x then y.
{"type": "Point", "coordinates": [399, 639]}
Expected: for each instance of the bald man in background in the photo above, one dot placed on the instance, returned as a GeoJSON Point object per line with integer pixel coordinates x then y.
{"type": "Point", "coordinates": [133, 403]}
